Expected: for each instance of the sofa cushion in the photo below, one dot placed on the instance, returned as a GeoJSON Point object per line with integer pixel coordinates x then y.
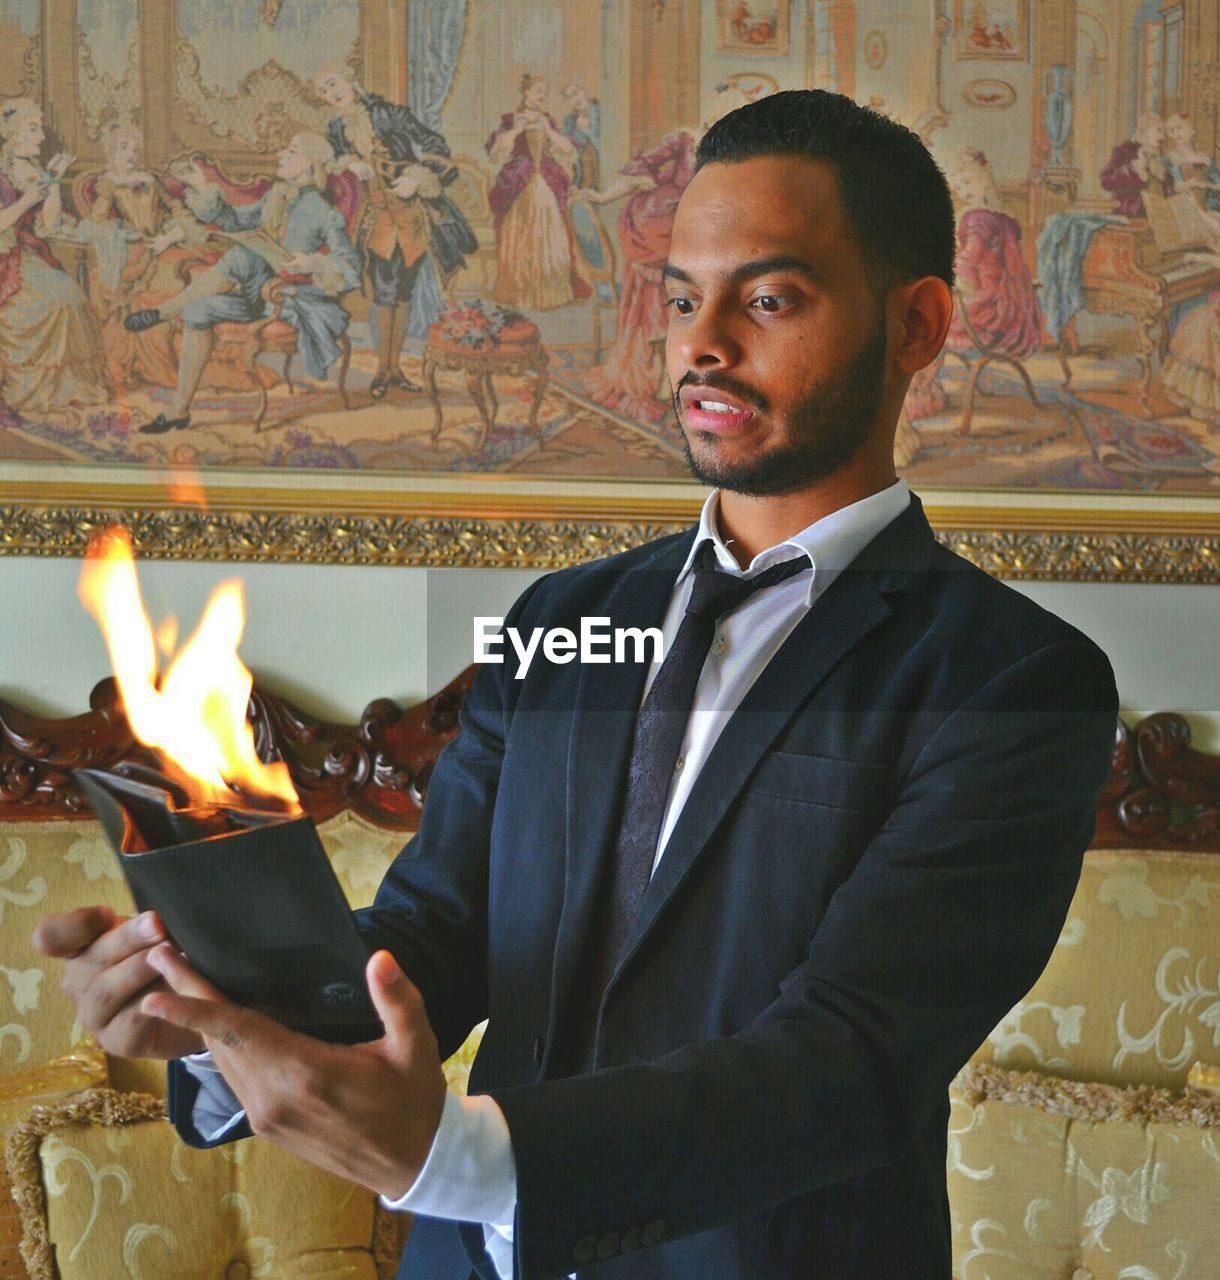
{"type": "Point", "coordinates": [52, 1082]}
{"type": "Point", "coordinates": [1050, 1177]}
{"type": "Point", "coordinates": [1132, 992]}
{"type": "Point", "coordinates": [105, 1188]}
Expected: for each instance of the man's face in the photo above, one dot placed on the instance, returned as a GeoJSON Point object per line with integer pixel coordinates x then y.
{"type": "Point", "coordinates": [333, 88]}
{"type": "Point", "coordinates": [776, 345]}
{"type": "Point", "coordinates": [293, 162]}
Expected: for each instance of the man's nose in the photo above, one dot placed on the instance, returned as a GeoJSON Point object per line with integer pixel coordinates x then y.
{"type": "Point", "coordinates": [706, 339]}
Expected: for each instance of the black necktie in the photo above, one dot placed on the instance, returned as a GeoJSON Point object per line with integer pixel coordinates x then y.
{"type": "Point", "coordinates": [654, 756]}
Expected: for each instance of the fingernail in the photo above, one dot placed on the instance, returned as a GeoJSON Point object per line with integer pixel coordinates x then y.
{"type": "Point", "coordinates": [150, 927]}
{"type": "Point", "coordinates": [157, 957]}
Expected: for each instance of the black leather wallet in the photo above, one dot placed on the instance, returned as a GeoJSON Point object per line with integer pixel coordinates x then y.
{"type": "Point", "coordinates": [258, 912]}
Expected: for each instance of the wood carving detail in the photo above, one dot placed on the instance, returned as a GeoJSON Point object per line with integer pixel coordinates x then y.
{"type": "Point", "coordinates": [1161, 792]}
{"type": "Point", "coordinates": [378, 768]}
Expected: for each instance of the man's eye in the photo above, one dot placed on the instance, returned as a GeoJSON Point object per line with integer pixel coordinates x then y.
{"type": "Point", "coordinates": [770, 302]}
{"type": "Point", "coordinates": [683, 306]}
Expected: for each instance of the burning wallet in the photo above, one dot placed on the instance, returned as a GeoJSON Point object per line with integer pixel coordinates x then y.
{"type": "Point", "coordinates": [247, 894]}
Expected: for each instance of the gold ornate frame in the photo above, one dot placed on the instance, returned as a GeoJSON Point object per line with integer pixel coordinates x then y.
{"type": "Point", "coordinates": [479, 523]}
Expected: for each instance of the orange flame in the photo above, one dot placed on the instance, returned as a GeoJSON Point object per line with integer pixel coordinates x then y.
{"type": "Point", "coordinates": [194, 715]}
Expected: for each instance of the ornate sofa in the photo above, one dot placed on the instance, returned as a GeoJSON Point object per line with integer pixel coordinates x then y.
{"type": "Point", "coordinates": [1084, 1139]}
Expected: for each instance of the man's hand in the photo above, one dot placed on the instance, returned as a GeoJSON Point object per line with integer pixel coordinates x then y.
{"type": "Point", "coordinates": [405, 187]}
{"type": "Point", "coordinates": [107, 973]}
{"type": "Point", "coordinates": [301, 264]}
{"type": "Point", "coordinates": [60, 164]}
{"type": "Point", "coordinates": [367, 1112]}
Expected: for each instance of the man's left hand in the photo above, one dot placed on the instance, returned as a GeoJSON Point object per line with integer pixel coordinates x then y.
{"type": "Point", "coordinates": [367, 1112]}
{"type": "Point", "coordinates": [405, 187]}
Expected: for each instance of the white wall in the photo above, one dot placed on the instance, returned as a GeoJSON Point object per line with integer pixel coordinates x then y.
{"type": "Point", "coordinates": [334, 638]}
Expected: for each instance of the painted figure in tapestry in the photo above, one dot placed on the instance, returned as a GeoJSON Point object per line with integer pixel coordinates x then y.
{"type": "Point", "coordinates": [1190, 169]}
{"type": "Point", "coordinates": [996, 286]}
{"type": "Point", "coordinates": [50, 348]}
{"type": "Point", "coordinates": [1133, 164]}
{"type": "Point", "coordinates": [416, 228]}
{"type": "Point", "coordinates": [308, 238]}
{"type": "Point", "coordinates": [140, 270]}
{"type": "Point", "coordinates": [632, 378]}
{"type": "Point", "coordinates": [535, 268]}
{"type": "Point", "coordinates": [994, 279]}
{"type": "Point", "coordinates": [583, 126]}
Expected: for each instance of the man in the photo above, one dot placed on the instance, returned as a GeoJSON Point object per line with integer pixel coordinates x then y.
{"type": "Point", "coordinates": [306, 235]}
{"type": "Point", "coordinates": [402, 162]}
{"type": "Point", "coordinates": [728, 1058]}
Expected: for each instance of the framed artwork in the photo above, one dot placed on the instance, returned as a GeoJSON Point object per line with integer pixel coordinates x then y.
{"type": "Point", "coordinates": [376, 281]}
{"type": "Point", "coordinates": [989, 95]}
{"type": "Point", "coordinates": [752, 26]}
{"type": "Point", "coordinates": [986, 31]}
{"type": "Point", "coordinates": [875, 49]}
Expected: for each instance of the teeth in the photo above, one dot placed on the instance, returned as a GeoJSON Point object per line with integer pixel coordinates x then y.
{"type": "Point", "coordinates": [716, 406]}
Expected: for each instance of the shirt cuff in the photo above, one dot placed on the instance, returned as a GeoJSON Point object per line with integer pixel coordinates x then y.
{"type": "Point", "coordinates": [470, 1174]}
{"type": "Point", "coordinates": [216, 1108]}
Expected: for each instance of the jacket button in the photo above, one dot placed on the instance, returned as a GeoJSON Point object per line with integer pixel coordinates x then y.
{"type": "Point", "coordinates": [631, 1241]}
{"type": "Point", "coordinates": [653, 1232]}
{"type": "Point", "coordinates": [585, 1251]}
{"type": "Point", "coordinates": [538, 1048]}
{"type": "Point", "coordinates": [607, 1246]}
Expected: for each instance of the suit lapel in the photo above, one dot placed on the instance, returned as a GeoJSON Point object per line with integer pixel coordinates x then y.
{"type": "Point", "coordinates": [603, 726]}
{"type": "Point", "coordinates": [896, 561]}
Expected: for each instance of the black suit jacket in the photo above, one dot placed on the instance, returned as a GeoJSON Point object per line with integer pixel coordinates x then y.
{"type": "Point", "coordinates": [871, 868]}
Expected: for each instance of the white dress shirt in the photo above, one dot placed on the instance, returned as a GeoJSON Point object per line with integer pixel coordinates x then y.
{"type": "Point", "coordinates": [470, 1174]}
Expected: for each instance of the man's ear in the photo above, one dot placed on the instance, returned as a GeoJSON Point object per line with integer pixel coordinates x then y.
{"type": "Point", "coordinates": [920, 313]}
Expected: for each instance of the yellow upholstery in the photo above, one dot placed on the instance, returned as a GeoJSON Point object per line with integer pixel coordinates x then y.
{"type": "Point", "coordinates": [1075, 1147]}
{"type": "Point", "coordinates": [121, 1186]}
{"type": "Point", "coordinates": [118, 1194]}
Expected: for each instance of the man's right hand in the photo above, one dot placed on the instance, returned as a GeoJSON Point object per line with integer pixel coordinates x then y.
{"type": "Point", "coordinates": [107, 974]}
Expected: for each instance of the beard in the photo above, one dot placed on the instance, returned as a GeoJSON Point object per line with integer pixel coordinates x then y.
{"type": "Point", "coordinates": [826, 428]}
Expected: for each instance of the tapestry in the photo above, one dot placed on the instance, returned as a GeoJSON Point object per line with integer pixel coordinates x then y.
{"type": "Point", "coordinates": [426, 236]}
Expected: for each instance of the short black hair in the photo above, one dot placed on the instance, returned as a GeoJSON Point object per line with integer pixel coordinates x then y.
{"type": "Point", "coordinates": [894, 194]}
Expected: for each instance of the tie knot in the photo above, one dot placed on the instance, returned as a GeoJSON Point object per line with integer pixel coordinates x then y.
{"type": "Point", "coordinates": [715, 593]}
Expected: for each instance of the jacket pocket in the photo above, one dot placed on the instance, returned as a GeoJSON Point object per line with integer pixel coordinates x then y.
{"type": "Point", "coordinates": [821, 780]}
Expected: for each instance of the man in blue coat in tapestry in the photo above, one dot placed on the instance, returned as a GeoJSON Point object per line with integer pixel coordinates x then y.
{"type": "Point", "coordinates": [736, 920]}
{"type": "Point", "coordinates": [403, 166]}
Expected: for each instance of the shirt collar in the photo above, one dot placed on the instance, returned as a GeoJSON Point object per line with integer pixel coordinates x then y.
{"type": "Point", "coordinates": [831, 543]}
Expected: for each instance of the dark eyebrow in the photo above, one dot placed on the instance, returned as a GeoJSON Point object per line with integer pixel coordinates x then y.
{"type": "Point", "coordinates": [751, 270]}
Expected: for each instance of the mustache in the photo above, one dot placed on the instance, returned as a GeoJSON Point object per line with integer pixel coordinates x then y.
{"type": "Point", "coordinates": [719, 382]}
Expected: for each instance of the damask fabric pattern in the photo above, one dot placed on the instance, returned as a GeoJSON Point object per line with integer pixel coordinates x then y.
{"type": "Point", "coordinates": [1132, 992]}
{"type": "Point", "coordinates": [45, 1085]}
{"type": "Point", "coordinates": [1073, 1150]}
{"type": "Point", "coordinates": [1085, 1182]}
{"type": "Point", "coordinates": [125, 1197]}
